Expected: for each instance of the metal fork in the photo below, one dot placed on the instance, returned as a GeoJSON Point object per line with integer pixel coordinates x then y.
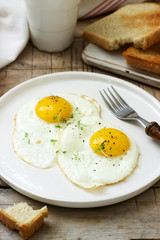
{"type": "Point", "coordinates": [123, 111]}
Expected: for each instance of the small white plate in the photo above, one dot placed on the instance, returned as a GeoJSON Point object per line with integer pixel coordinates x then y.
{"type": "Point", "coordinates": [114, 61]}
{"type": "Point", "coordinates": [50, 185]}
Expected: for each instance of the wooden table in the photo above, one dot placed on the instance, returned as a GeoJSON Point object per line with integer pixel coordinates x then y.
{"type": "Point", "coordinates": [137, 218]}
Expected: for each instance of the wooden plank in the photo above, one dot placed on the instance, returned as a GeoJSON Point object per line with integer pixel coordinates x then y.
{"type": "Point", "coordinates": [77, 48]}
{"type": "Point", "coordinates": [40, 72]}
{"type": "Point", "coordinates": [40, 60]}
{"type": "Point", "coordinates": [3, 184]}
{"type": "Point", "coordinates": [13, 78]}
{"type": "Point", "coordinates": [157, 184]}
{"type": "Point", "coordinates": [155, 92]}
{"type": "Point", "coordinates": [3, 74]}
{"type": "Point", "coordinates": [149, 196]}
{"type": "Point", "coordinates": [62, 60]}
{"type": "Point", "coordinates": [127, 220]}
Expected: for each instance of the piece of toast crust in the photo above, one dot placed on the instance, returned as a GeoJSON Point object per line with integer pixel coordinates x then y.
{"type": "Point", "coordinates": [137, 23]}
{"type": "Point", "coordinates": [148, 59]}
{"type": "Point", "coordinates": [19, 217]}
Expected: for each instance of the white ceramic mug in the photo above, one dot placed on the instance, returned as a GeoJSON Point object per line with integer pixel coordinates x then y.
{"type": "Point", "coordinates": [52, 23]}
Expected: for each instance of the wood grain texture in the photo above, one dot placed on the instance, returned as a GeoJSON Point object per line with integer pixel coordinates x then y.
{"type": "Point", "coordinates": [136, 218]}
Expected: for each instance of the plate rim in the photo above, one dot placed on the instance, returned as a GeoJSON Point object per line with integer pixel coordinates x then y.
{"type": "Point", "coordinates": [38, 78]}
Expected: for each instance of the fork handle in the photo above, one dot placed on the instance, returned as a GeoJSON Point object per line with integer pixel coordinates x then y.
{"type": "Point", "coordinates": [153, 130]}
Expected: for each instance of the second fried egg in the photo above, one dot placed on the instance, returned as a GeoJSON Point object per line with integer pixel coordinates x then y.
{"type": "Point", "coordinates": [96, 153]}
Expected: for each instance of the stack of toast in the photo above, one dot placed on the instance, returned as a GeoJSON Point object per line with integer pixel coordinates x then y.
{"type": "Point", "coordinates": [136, 24]}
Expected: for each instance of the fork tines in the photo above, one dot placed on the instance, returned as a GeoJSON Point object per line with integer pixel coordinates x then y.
{"type": "Point", "coordinates": [113, 100]}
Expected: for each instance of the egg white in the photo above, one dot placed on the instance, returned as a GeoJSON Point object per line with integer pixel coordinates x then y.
{"type": "Point", "coordinates": [82, 165]}
{"type": "Point", "coordinates": [36, 141]}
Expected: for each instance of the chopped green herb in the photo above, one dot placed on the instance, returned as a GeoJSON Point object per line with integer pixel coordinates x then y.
{"type": "Point", "coordinates": [26, 135]}
{"type": "Point", "coordinates": [102, 146]}
{"type": "Point", "coordinates": [98, 149]}
{"type": "Point", "coordinates": [26, 138]}
{"type": "Point", "coordinates": [72, 115]}
{"type": "Point", "coordinates": [64, 152]}
{"type": "Point", "coordinates": [53, 140]}
{"type": "Point", "coordinates": [77, 111]}
{"type": "Point", "coordinates": [63, 120]}
{"type": "Point", "coordinates": [75, 156]}
{"type": "Point", "coordinates": [55, 117]}
{"type": "Point", "coordinates": [58, 126]}
{"type": "Point", "coordinates": [81, 125]}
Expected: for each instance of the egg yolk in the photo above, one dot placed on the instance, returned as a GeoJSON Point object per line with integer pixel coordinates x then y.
{"type": "Point", "coordinates": [53, 109]}
{"type": "Point", "coordinates": [109, 142]}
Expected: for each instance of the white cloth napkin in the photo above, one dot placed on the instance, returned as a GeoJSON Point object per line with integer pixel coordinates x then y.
{"type": "Point", "coordinates": [14, 33]}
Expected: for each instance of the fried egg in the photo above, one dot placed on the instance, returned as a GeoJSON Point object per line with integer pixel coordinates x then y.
{"type": "Point", "coordinates": [39, 123]}
{"type": "Point", "coordinates": [93, 153]}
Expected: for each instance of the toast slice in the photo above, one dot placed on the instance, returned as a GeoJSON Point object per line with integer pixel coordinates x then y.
{"type": "Point", "coordinates": [22, 217]}
{"type": "Point", "coordinates": [135, 23]}
{"type": "Point", "coordinates": [148, 59]}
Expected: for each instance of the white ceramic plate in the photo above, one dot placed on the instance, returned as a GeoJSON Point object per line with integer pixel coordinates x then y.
{"type": "Point", "coordinates": [50, 185]}
{"type": "Point", "coordinates": [114, 61]}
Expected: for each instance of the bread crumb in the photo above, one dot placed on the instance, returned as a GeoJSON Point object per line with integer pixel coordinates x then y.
{"type": "Point", "coordinates": [23, 218]}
